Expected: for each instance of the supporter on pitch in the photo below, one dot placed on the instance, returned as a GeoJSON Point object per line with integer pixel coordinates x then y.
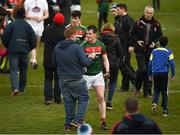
{"type": "Point", "coordinates": [36, 13]}
{"type": "Point", "coordinates": [94, 75]}
{"type": "Point", "coordinates": [70, 60]}
{"type": "Point", "coordinates": [79, 28]}
{"type": "Point", "coordinates": [19, 38]}
{"type": "Point", "coordinates": [160, 60]}
{"type": "Point", "coordinates": [145, 35]}
{"type": "Point", "coordinates": [123, 24]}
{"type": "Point", "coordinates": [114, 53]}
{"type": "Point", "coordinates": [134, 122]}
{"type": "Point", "coordinates": [51, 36]}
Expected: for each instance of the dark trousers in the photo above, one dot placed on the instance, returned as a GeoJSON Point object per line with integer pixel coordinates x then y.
{"type": "Point", "coordinates": [156, 4]}
{"type": "Point", "coordinates": [142, 75]}
{"type": "Point", "coordinates": [102, 17]}
{"type": "Point", "coordinates": [112, 81]}
{"type": "Point", "coordinates": [127, 71]}
{"type": "Point", "coordinates": [160, 85]}
{"type": "Point", "coordinates": [51, 91]}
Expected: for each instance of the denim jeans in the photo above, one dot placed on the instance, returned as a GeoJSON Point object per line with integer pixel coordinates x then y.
{"type": "Point", "coordinates": [18, 62]}
{"type": "Point", "coordinates": [74, 93]}
{"type": "Point", "coordinates": [160, 85]}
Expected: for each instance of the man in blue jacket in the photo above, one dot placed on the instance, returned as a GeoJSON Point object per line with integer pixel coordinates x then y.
{"type": "Point", "coordinates": [70, 61]}
{"type": "Point", "coordinates": [160, 60]}
{"type": "Point", "coordinates": [19, 38]}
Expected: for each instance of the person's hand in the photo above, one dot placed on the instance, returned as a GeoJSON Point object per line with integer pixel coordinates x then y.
{"type": "Point", "coordinates": [140, 43]}
{"type": "Point", "coordinates": [106, 75]}
{"type": "Point", "coordinates": [130, 49]}
{"type": "Point", "coordinates": [172, 78]}
{"type": "Point", "coordinates": [150, 78]}
{"type": "Point", "coordinates": [92, 55]}
{"type": "Point", "coordinates": [152, 45]}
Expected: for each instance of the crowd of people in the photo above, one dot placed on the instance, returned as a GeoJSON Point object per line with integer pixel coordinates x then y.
{"type": "Point", "coordinates": [77, 58]}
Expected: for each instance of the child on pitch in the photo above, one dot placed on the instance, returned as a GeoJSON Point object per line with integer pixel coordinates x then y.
{"type": "Point", "coordinates": [160, 60]}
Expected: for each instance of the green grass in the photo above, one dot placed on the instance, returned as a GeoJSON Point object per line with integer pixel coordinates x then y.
{"type": "Point", "coordinates": [27, 114]}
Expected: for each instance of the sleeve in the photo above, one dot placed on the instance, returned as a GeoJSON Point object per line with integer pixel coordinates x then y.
{"type": "Point", "coordinates": [150, 65]}
{"type": "Point", "coordinates": [172, 64]}
{"type": "Point", "coordinates": [103, 49]}
{"type": "Point", "coordinates": [84, 61]}
{"type": "Point", "coordinates": [7, 35]}
{"type": "Point", "coordinates": [158, 33]}
{"type": "Point", "coordinates": [54, 57]}
{"type": "Point", "coordinates": [132, 34]}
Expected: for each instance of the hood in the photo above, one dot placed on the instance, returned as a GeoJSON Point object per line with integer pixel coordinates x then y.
{"type": "Point", "coordinates": [134, 120]}
{"type": "Point", "coordinates": [65, 43]}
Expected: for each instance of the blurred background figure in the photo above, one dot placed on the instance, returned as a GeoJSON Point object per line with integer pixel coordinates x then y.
{"type": "Point", "coordinates": [85, 129]}
{"type": "Point", "coordinates": [36, 13]}
{"type": "Point", "coordinates": [65, 9]}
{"type": "Point", "coordinates": [103, 8]}
{"type": "Point", "coordinates": [156, 4]}
{"type": "Point", "coordinates": [76, 5]}
{"type": "Point", "coordinates": [114, 10]}
{"type": "Point", "coordinates": [134, 122]}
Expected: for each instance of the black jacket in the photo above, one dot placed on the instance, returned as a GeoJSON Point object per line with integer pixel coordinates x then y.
{"type": "Point", "coordinates": [113, 47]}
{"type": "Point", "coordinates": [138, 32]}
{"type": "Point", "coordinates": [123, 24]}
{"type": "Point", "coordinates": [19, 37]}
{"type": "Point", "coordinates": [136, 124]}
{"type": "Point", "coordinates": [70, 60]}
{"type": "Point", "coordinates": [51, 36]}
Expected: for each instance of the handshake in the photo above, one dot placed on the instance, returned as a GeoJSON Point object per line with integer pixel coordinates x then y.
{"type": "Point", "coordinates": [92, 55]}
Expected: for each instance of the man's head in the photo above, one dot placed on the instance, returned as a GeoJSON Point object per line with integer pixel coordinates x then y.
{"type": "Point", "coordinates": [114, 10]}
{"type": "Point", "coordinates": [121, 9]}
{"type": "Point", "coordinates": [91, 33]}
{"type": "Point", "coordinates": [75, 17]}
{"type": "Point", "coordinates": [131, 105]}
{"type": "Point", "coordinates": [19, 11]}
{"type": "Point", "coordinates": [163, 41]}
{"type": "Point", "coordinates": [69, 33]}
{"type": "Point", "coordinates": [148, 12]}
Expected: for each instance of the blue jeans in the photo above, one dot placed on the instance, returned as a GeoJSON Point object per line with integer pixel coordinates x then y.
{"type": "Point", "coordinates": [74, 93]}
{"type": "Point", "coordinates": [18, 62]}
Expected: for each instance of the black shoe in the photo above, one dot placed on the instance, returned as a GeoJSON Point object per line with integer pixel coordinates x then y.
{"type": "Point", "coordinates": [67, 128]}
{"type": "Point", "coordinates": [48, 102]}
{"type": "Point", "coordinates": [103, 125]}
{"type": "Point", "coordinates": [109, 106]}
{"type": "Point", "coordinates": [75, 124]}
{"type": "Point", "coordinates": [165, 113]}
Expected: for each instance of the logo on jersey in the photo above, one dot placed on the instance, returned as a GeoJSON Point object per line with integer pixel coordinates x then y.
{"type": "Point", "coordinates": [36, 9]}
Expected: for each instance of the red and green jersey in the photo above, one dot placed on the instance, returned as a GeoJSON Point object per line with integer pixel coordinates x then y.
{"type": "Point", "coordinates": [80, 31]}
{"type": "Point", "coordinates": [99, 49]}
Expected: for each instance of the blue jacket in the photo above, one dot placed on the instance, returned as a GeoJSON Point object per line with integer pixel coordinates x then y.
{"type": "Point", "coordinates": [19, 37]}
{"type": "Point", "coordinates": [160, 60]}
{"type": "Point", "coordinates": [70, 60]}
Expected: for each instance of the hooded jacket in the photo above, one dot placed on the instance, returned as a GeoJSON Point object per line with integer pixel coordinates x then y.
{"type": "Point", "coordinates": [70, 60]}
{"type": "Point", "coordinates": [136, 124]}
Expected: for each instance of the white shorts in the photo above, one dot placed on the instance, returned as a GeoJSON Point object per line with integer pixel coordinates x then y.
{"type": "Point", "coordinates": [94, 80]}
